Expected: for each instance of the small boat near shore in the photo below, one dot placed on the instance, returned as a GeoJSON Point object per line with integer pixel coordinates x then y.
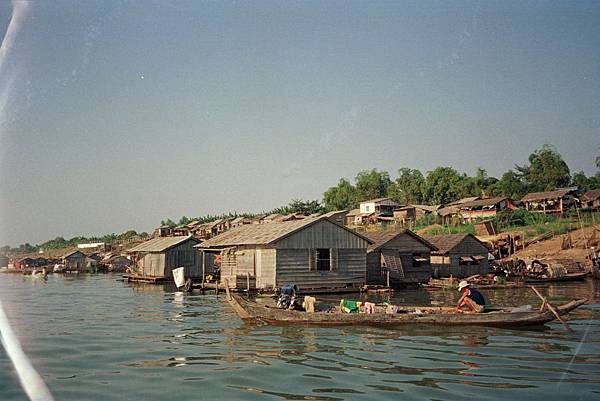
{"type": "Point", "coordinates": [500, 317]}
{"type": "Point", "coordinates": [567, 277]}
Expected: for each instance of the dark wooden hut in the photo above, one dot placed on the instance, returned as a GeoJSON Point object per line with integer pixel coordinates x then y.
{"type": "Point", "coordinates": [159, 256]}
{"type": "Point", "coordinates": [314, 253]}
{"type": "Point", "coordinates": [403, 255]}
{"type": "Point", "coordinates": [591, 199]}
{"type": "Point", "coordinates": [75, 261]}
{"type": "Point", "coordinates": [458, 255]}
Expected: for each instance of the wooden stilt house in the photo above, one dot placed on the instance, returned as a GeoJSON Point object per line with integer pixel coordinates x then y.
{"type": "Point", "coordinates": [313, 253]}
{"type": "Point", "coordinates": [402, 256]}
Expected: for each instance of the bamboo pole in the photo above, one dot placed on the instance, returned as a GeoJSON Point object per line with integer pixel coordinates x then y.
{"type": "Point", "coordinates": [551, 309]}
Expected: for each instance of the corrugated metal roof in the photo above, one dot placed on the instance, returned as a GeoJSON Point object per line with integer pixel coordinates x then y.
{"type": "Point", "coordinates": [377, 200]}
{"type": "Point", "coordinates": [381, 238]}
{"type": "Point", "coordinates": [463, 200]}
{"type": "Point", "coordinates": [263, 234]}
{"type": "Point", "coordinates": [446, 242]}
{"type": "Point", "coordinates": [335, 212]}
{"type": "Point", "coordinates": [483, 202]}
{"type": "Point", "coordinates": [538, 196]}
{"type": "Point", "coordinates": [160, 244]}
{"type": "Point", "coordinates": [353, 212]}
{"type": "Point", "coordinates": [592, 195]}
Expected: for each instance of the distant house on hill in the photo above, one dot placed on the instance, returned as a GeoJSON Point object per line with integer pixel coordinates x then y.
{"type": "Point", "coordinates": [411, 213]}
{"type": "Point", "coordinates": [458, 255]}
{"type": "Point", "coordinates": [240, 221]}
{"type": "Point", "coordinates": [339, 216]}
{"type": "Point", "coordinates": [485, 208]}
{"type": "Point", "coordinates": [314, 253]}
{"type": "Point", "coordinates": [379, 206]}
{"type": "Point", "coordinates": [159, 256]}
{"type": "Point", "coordinates": [352, 217]}
{"type": "Point", "coordinates": [557, 201]}
{"type": "Point", "coordinates": [591, 199]}
{"type": "Point", "coordinates": [405, 255]}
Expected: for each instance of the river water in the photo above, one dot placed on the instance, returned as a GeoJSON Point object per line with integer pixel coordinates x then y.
{"type": "Point", "coordinates": [92, 337]}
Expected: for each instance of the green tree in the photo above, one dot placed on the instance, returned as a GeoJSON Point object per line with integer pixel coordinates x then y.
{"type": "Point", "coordinates": [409, 185]}
{"type": "Point", "coordinates": [372, 184]}
{"type": "Point", "coordinates": [302, 207]}
{"type": "Point", "coordinates": [442, 185]}
{"type": "Point", "coordinates": [546, 170]}
{"type": "Point", "coordinates": [184, 220]}
{"type": "Point", "coordinates": [340, 197]}
{"type": "Point", "coordinates": [510, 185]}
{"type": "Point", "coordinates": [168, 223]}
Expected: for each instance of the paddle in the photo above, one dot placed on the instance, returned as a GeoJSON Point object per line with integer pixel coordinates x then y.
{"type": "Point", "coordinates": [551, 309]}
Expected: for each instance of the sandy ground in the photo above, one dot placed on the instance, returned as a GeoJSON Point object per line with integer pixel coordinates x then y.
{"type": "Point", "coordinates": [552, 248]}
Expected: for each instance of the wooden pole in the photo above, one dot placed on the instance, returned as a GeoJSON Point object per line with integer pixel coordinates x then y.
{"type": "Point", "coordinates": [203, 267]}
{"type": "Point", "coordinates": [247, 282]}
{"type": "Point", "coordinates": [551, 309]}
{"type": "Point", "coordinates": [589, 256]}
{"type": "Point", "coordinates": [388, 278]}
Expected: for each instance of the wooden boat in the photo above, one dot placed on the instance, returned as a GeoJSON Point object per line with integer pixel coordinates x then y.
{"type": "Point", "coordinates": [505, 317]}
{"type": "Point", "coordinates": [567, 277]}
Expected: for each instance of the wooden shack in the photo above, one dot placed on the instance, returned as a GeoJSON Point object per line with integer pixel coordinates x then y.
{"type": "Point", "coordinates": [591, 199]}
{"type": "Point", "coordinates": [338, 216]}
{"type": "Point", "coordinates": [313, 253]}
{"type": "Point", "coordinates": [404, 256]}
{"type": "Point", "coordinates": [411, 213]}
{"type": "Point", "coordinates": [75, 261]}
{"type": "Point", "coordinates": [458, 255]}
{"type": "Point", "coordinates": [552, 201]}
{"type": "Point", "coordinates": [159, 256]}
{"type": "Point", "coordinates": [486, 208]}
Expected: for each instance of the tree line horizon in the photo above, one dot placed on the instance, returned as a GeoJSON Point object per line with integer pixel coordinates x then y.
{"type": "Point", "coordinates": [546, 170]}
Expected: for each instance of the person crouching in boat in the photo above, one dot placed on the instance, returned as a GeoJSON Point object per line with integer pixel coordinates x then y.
{"type": "Point", "coordinates": [471, 300]}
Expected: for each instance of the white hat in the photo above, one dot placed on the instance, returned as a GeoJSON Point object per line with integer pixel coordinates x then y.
{"type": "Point", "coordinates": [463, 284]}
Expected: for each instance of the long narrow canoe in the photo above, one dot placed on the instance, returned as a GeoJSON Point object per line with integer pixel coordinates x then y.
{"type": "Point", "coordinates": [507, 317]}
{"type": "Point", "coordinates": [566, 277]}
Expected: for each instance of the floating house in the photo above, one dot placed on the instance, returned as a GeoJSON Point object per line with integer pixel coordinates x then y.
{"type": "Point", "coordinates": [75, 261]}
{"type": "Point", "coordinates": [458, 255]}
{"type": "Point", "coordinates": [159, 256]}
{"type": "Point", "coordinates": [403, 256]}
{"type": "Point", "coordinates": [552, 201]}
{"type": "Point", "coordinates": [313, 253]}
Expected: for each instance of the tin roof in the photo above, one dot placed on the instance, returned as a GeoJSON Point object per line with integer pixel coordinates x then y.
{"type": "Point", "coordinates": [381, 238]}
{"type": "Point", "coordinates": [447, 242]}
{"type": "Point", "coordinates": [262, 234]}
{"type": "Point", "coordinates": [483, 202]}
{"type": "Point", "coordinates": [161, 244]}
{"type": "Point", "coordinates": [539, 196]}
{"type": "Point", "coordinates": [592, 195]}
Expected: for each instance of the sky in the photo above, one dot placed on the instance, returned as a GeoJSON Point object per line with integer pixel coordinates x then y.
{"type": "Point", "coordinates": [115, 115]}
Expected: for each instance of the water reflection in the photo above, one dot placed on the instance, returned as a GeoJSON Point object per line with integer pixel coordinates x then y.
{"type": "Point", "coordinates": [154, 343]}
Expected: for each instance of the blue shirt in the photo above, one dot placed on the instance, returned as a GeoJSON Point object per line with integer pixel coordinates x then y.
{"type": "Point", "coordinates": [476, 297]}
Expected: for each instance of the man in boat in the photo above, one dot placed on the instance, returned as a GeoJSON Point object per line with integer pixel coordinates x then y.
{"type": "Point", "coordinates": [471, 300]}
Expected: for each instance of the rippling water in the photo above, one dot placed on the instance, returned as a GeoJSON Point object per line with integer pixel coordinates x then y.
{"type": "Point", "coordinates": [92, 337]}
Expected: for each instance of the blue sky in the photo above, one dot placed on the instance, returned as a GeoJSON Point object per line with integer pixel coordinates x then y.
{"type": "Point", "coordinates": [117, 114]}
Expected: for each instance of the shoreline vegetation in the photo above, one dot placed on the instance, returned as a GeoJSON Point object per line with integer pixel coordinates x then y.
{"type": "Point", "coordinates": [546, 170]}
